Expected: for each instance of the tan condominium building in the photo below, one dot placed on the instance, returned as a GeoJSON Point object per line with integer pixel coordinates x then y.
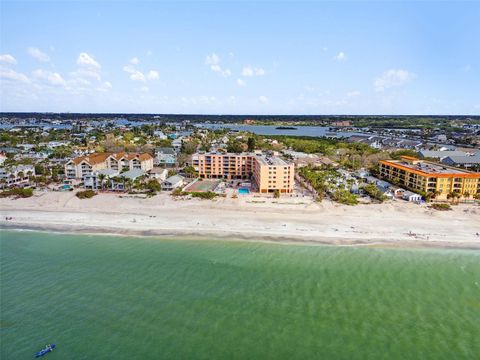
{"type": "Point", "coordinates": [267, 173]}
{"type": "Point", "coordinates": [85, 165]}
{"type": "Point", "coordinates": [429, 177]}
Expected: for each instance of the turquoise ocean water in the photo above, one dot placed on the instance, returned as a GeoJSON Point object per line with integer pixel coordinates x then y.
{"type": "Point", "coordinates": [102, 297]}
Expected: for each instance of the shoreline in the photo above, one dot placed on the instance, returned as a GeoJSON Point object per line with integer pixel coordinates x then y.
{"type": "Point", "coordinates": [179, 235]}
{"type": "Point", "coordinates": [288, 221]}
{"type": "Point", "coordinates": [265, 239]}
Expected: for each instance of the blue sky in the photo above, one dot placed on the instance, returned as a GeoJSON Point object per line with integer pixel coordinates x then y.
{"type": "Point", "coordinates": [240, 57]}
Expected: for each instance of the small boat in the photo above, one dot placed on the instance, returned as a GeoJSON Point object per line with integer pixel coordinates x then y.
{"type": "Point", "coordinates": [48, 348]}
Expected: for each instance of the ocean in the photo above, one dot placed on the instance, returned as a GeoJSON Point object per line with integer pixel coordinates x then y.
{"type": "Point", "coordinates": [109, 297]}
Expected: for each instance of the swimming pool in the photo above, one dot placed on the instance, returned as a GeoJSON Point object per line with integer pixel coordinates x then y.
{"type": "Point", "coordinates": [243, 191]}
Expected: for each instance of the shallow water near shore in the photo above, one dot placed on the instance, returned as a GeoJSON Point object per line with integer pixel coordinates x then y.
{"type": "Point", "coordinates": [109, 297]}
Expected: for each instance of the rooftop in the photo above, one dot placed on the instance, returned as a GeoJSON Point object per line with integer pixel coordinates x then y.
{"type": "Point", "coordinates": [426, 167]}
{"type": "Point", "coordinates": [270, 160]}
{"type": "Point", "coordinates": [133, 174]}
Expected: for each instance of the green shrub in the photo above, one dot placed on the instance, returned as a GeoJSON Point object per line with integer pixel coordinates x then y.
{"type": "Point", "coordinates": [441, 207]}
{"type": "Point", "coordinates": [178, 192]}
{"type": "Point", "coordinates": [204, 195]}
{"type": "Point", "coordinates": [17, 193]}
{"type": "Point", "coordinates": [374, 192]}
{"type": "Point", "coordinates": [86, 194]}
{"type": "Point", "coordinates": [153, 186]}
{"type": "Point", "coordinates": [344, 197]}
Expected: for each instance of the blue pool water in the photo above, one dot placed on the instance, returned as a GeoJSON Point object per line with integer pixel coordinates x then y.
{"type": "Point", "coordinates": [243, 191]}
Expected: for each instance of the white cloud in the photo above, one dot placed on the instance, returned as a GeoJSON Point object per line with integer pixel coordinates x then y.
{"type": "Point", "coordinates": [53, 78]}
{"type": "Point", "coordinates": [249, 71]}
{"type": "Point", "coordinates": [134, 61]}
{"type": "Point", "coordinates": [137, 76]}
{"type": "Point", "coordinates": [153, 75]}
{"type": "Point", "coordinates": [241, 82]}
{"type": "Point", "coordinates": [38, 54]}
{"type": "Point", "coordinates": [340, 56]}
{"type": "Point", "coordinates": [129, 69]}
{"type": "Point", "coordinates": [263, 99]}
{"type": "Point", "coordinates": [353, 93]}
{"type": "Point", "coordinates": [213, 61]}
{"type": "Point", "coordinates": [13, 75]}
{"type": "Point", "coordinates": [149, 52]}
{"type": "Point", "coordinates": [87, 60]}
{"type": "Point", "coordinates": [107, 84]}
{"type": "Point", "coordinates": [7, 58]}
{"type": "Point", "coordinates": [393, 78]}
{"type": "Point", "coordinates": [259, 71]}
{"type": "Point", "coordinates": [89, 73]}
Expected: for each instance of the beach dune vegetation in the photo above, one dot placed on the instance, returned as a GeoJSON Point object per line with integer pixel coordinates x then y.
{"type": "Point", "coordinates": [86, 194]}
{"type": "Point", "coordinates": [17, 193]}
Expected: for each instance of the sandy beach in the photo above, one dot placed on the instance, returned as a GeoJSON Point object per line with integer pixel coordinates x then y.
{"type": "Point", "coordinates": [261, 219]}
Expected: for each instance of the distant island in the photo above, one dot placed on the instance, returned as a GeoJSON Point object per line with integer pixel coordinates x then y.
{"type": "Point", "coordinates": [286, 128]}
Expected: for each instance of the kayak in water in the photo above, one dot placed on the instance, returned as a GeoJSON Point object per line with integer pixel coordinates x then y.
{"type": "Point", "coordinates": [48, 348]}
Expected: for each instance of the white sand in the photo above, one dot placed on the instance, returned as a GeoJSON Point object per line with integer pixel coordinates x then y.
{"type": "Point", "coordinates": [262, 219]}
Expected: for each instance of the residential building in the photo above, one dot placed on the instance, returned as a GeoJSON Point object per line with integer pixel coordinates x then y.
{"type": "Point", "coordinates": [112, 179]}
{"type": "Point", "coordinates": [158, 173]}
{"type": "Point", "coordinates": [268, 173]}
{"type": "Point", "coordinates": [172, 183]}
{"type": "Point", "coordinates": [18, 176]}
{"type": "Point", "coordinates": [177, 144]}
{"type": "Point", "coordinates": [80, 166]}
{"type": "Point", "coordinates": [93, 181]}
{"type": "Point", "coordinates": [166, 157]}
{"type": "Point", "coordinates": [160, 134]}
{"type": "Point", "coordinates": [428, 177]}
{"type": "Point", "coordinates": [463, 161]}
{"type": "Point", "coordinates": [343, 123]}
{"type": "Point", "coordinates": [411, 196]}
{"type": "Point", "coordinates": [436, 154]}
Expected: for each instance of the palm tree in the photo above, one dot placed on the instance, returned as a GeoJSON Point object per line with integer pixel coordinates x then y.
{"type": "Point", "coordinates": [454, 195]}
{"type": "Point", "coordinates": [12, 176]}
{"type": "Point", "coordinates": [101, 177]}
{"type": "Point", "coordinates": [124, 180]}
{"type": "Point", "coordinates": [129, 184]}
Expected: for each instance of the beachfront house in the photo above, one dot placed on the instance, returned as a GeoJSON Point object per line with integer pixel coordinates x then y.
{"type": "Point", "coordinates": [411, 196]}
{"type": "Point", "coordinates": [16, 176]}
{"type": "Point", "coordinates": [80, 166]}
{"type": "Point", "coordinates": [100, 179]}
{"type": "Point", "coordinates": [172, 183]}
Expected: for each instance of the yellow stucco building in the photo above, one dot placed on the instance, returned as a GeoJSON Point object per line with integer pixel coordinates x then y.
{"type": "Point", "coordinates": [428, 177]}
